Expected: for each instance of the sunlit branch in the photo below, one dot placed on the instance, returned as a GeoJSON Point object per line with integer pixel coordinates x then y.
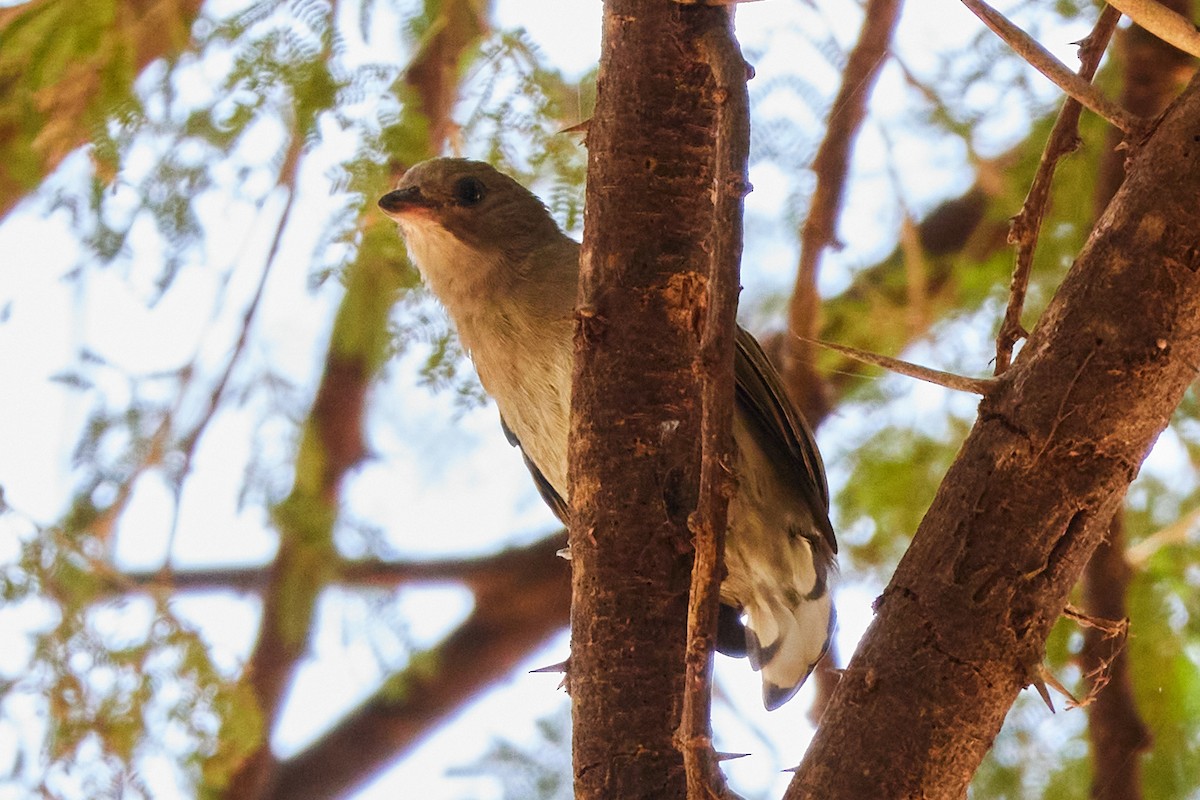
{"type": "Point", "coordinates": [730, 153]}
{"type": "Point", "coordinates": [1044, 62]}
{"type": "Point", "coordinates": [1172, 28]}
{"type": "Point", "coordinates": [961, 383]}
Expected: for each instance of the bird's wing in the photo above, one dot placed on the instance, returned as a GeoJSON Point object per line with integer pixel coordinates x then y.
{"type": "Point", "coordinates": [548, 493]}
{"type": "Point", "coordinates": [783, 433]}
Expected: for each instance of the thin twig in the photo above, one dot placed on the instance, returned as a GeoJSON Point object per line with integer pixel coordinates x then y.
{"type": "Point", "coordinates": [731, 152]}
{"type": "Point", "coordinates": [960, 383]}
{"type": "Point", "coordinates": [1174, 29]}
{"type": "Point", "coordinates": [1044, 62]}
{"type": "Point", "coordinates": [1063, 139]}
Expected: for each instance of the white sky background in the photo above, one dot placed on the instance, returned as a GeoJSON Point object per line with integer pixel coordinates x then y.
{"type": "Point", "coordinates": [431, 505]}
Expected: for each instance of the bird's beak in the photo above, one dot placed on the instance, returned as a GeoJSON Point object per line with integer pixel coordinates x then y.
{"type": "Point", "coordinates": [404, 200]}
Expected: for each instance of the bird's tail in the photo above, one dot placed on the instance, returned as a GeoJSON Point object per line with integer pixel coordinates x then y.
{"type": "Point", "coordinates": [785, 642]}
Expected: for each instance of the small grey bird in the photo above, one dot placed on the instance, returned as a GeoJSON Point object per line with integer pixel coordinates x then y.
{"type": "Point", "coordinates": [492, 254]}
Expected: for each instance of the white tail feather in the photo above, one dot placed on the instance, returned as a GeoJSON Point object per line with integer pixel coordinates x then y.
{"type": "Point", "coordinates": [786, 643]}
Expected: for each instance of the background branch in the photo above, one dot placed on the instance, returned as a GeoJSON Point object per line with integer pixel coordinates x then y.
{"type": "Point", "coordinates": [831, 166]}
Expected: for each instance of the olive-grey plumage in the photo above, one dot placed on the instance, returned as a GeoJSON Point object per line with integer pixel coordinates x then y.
{"type": "Point", "coordinates": [507, 275]}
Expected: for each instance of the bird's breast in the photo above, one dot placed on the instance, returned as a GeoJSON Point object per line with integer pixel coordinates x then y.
{"type": "Point", "coordinates": [528, 373]}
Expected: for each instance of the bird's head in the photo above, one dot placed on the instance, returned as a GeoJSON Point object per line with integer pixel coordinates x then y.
{"type": "Point", "coordinates": [449, 207]}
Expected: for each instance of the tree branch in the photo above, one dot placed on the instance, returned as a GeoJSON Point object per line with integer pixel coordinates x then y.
{"type": "Point", "coordinates": [960, 383]}
{"type": "Point", "coordinates": [1044, 62]}
{"type": "Point", "coordinates": [478, 574]}
{"type": "Point", "coordinates": [635, 440]}
{"type": "Point", "coordinates": [48, 119]}
{"type": "Point", "coordinates": [962, 625]}
{"type": "Point", "coordinates": [523, 599]}
{"type": "Point", "coordinates": [1169, 26]}
{"type": "Point", "coordinates": [715, 366]}
{"type": "Point", "coordinates": [1118, 734]}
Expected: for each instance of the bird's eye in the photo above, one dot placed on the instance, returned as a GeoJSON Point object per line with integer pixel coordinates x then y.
{"type": "Point", "coordinates": [468, 191]}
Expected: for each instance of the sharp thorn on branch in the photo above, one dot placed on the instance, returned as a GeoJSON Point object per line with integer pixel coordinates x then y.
{"type": "Point", "coordinates": [559, 666]}
{"type": "Point", "coordinates": [1044, 693]}
{"type": "Point", "coordinates": [1047, 678]}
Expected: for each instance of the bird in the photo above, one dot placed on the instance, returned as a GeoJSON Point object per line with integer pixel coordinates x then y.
{"type": "Point", "coordinates": [507, 275]}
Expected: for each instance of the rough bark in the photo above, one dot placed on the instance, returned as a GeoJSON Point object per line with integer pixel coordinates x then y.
{"type": "Point", "coordinates": [635, 429]}
{"type": "Point", "coordinates": [963, 623]}
{"type": "Point", "coordinates": [714, 365]}
{"type": "Point", "coordinates": [1152, 73]}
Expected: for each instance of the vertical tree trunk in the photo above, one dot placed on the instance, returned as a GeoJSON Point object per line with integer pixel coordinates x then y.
{"type": "Point", "coordinates": [636, 414]}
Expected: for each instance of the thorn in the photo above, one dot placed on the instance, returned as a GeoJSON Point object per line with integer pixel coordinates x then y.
{"type": "Point", "coordinates": [729, 756]}
{"type": "Point", "coordinates": [1044, 693]}
{"type": "Point", "coordinates": [560, 666]}
{"type": "Point", "coordinates": [1047, 677]}
{"type": "Point", "coordinates": [580, 128]}
{"type": "Point", "coordinates": [564, 553]}
{"type": "Point", "coordinates": [961, 383]}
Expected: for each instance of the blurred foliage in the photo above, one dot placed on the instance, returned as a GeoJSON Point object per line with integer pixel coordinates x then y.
{"type": "Point", "coordinates": [178, 114]}
{"type": "Point", "coordinates": [283, 74]}
{"type": "Point", "coordinates": [536, 769]}
{"type": "Point", "coordinates": [122, 680]}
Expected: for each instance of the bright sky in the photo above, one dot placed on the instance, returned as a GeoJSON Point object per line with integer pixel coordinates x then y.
{"type": "Point", "coordinates": [444, 506]}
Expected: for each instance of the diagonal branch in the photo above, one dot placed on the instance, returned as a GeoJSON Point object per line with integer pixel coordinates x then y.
{"type": "Point", "coordinates": [1044, 62]}
{"type": "Point", "coordinates": [962, 626]}
{"type": "Point", "coordinates": [516, 610]}
{"type": "Point", "coordinates": [49, 112]}
{"type": "Point", "coordinates": [1169, 26]}
{"type": "Point", "coordinates": [960, 383]}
